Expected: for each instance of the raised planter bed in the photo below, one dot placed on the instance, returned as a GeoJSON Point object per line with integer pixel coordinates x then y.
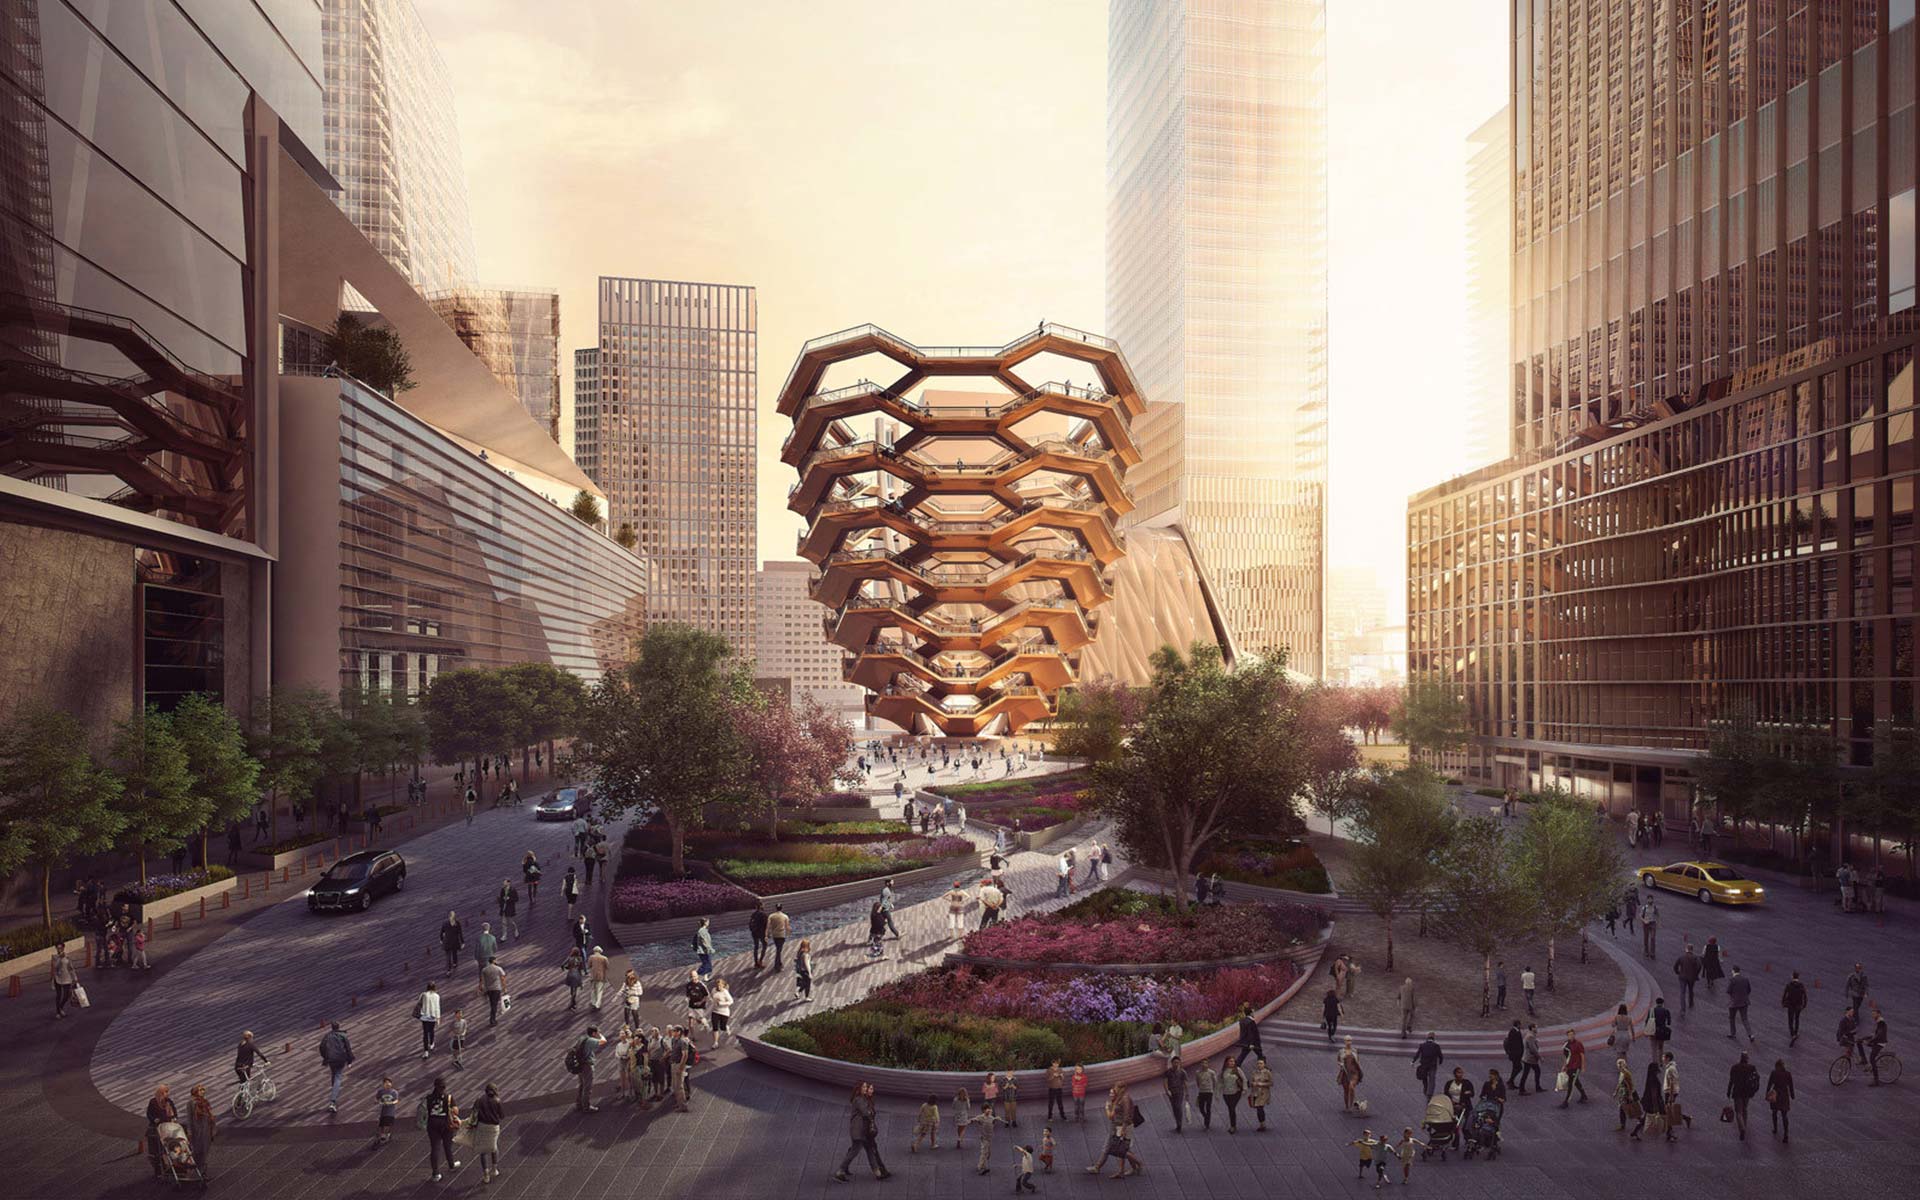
{"type": "Point", "coordinates": [895, 1081]}
{"type": "Point", "coordinates": [34, 966]}
{"type": "Point", "coordinates": [190, 898]}
{"type": "Point", "coordinates": [1311, 951]}
{"type": "Point", "coordinates": [314, 854]}
{"type": "Point", "coordinates": [1240, 891]}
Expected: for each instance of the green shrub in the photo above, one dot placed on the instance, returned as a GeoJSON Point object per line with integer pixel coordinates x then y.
{"type": "Point", "coordinates": [791, 1037]}
{"type": "Point", "coordinates": [1036, 1044]}
{"type": "Point", "coordinates": [1495, 793]}
{"type": "Point", "coordinates": [28, 938]}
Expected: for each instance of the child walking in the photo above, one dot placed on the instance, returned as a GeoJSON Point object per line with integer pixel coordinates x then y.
{"type": "Point", "coordinates": [459, 1031]}
{"type": "Point", "coordinates": [1368, 1145]}
{"type": "Point", "coordinates": [1046, 1150]}
{"type": "Point", "coordinates": [389, 1097]}
{"type": "Point", "coordinates": [1403, 1150]}
{"type": "Point", "coordinates": [1023, 1170]}
{"type": "Point", "coordinates": [927, 1125]}
{"type": "Point", "coordinates": [962, 1113]}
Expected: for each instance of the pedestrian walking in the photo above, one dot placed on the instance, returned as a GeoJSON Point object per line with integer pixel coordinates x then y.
{"type": "Point", "coordinates": [1408, 1005]}
{"type": "Point", "coordinates": [1249, 1042]}
{"type": "Point", "coordinates": [1173, 1081]}
{"type": "Point", "coordinates": [957, 910]}
{"type": "Point", "coordinates": [703, 946]}
{"type": "Point", "coordinates": [485, 946]}
{"type": "Point", "coordinates": [1500, 986]}
{"type": "Point", "coordinates": [596, 978]}
{"type": "Point", "coordinates": [1660, 1026]}
{"type": "Point", "coordinates": [1330, 1011]}
{"type": "Point", "coordinates": [441, 1115]}
{"type": "Point", "coordinates": [201, 1129]}
{"type": "Point", "coordinates": [803, 972]}
{"type": "Point", "coordinates": [457, 1028]}
{"type": "Point", "coordinates": [574, 975]}
{"type": "Point", "coordinates": [590, 862]}
{"type": "Point", "coordinates": [630, 993]}
{"type": "Point", "coordinates": [1233, 1087]}
{"type": "Point", "coordinates": [1780, 1100]}
{"type": "Point", "coordinates": [1515, 1047]}
{"type": "Point", "coordinates": [1122, 1116]}
{"type": "Point", "coordinates": [1621, 1038]}
{"type": "Point", "coordinates": [65, 982]}
{"type": "Point", "coordinates": [1526, 987]}
{"type": "Point", "coordinates": [1711, 967]}
{"type": "Point", "coordinates": [160, 1110]}
{"type": "Point", "coordinates": [1404, 1150]}
{"type": "Point", "coordinates": [1793, 998]}
{"type": "Point", "coordinates": [926, 1124]}
{"type": "Point", "coordinates": [1686, 968]}
{"type": "Point", "coordinates": [337, 1053]}
{"type": "Point", "coordinates": [426, 1010]}
{"type": "Point", "coordinates": [962, 1109]}
{"type": "Point", "coordinates": [1573, 1060]}
{"type": "Point", "coordinates": [1349, 1076]}
{"type": "Point", "coordinates": [757, 930]}
{"type": "Point", "coordinates": [721, 1001]}
{"type": "Point", "coordinates": [1675, 1114]}
{"type": "Point", "coordinates": [584, 1050]}
{"type": "Point", "coordinates": [876, 932]}
{"type": "Point", "coordinates": [1856, 988]}
{"type": "Point", "coordinates": [508, 903]}
{"type": "Point", "coordinates": [530, 875]}
{"type": "Point", "coordinates": [1206, 1086]}
{"type": "Point", "coordinates": [1739, 996]}
{"type": "Point", "coordinates": [493, 985]}
{"type": "Point", "coordinates": [582, 934]}
{"type": "Point", "coordinates": [1743, 1084]}
{"type": "Point", "coordinates": [570, 888]}
{"type": "Point", "coordinates": [1650, 928]}
{"type": "Point", "coordinates": [886, 907]}
{"type": "Point", "coordinates": [697, 993]}
{"type": "Point", "coordinates": [863, 1133]}
{"type": "Point", "coordinates": [779, 925]}
{"type": "Point", "coordinates": [1530, 1060]}
{"type": "Point", "coordinates": [1260, 1091]}
{"type": "Point", "coordinates": [453, 939]}
{"type": "Point", "coordinates": [1626, 1098]}
{"type": "Point", "coordinates": [489, 1114]}
{"type": "Point", "coordinates": [1426, 1064]}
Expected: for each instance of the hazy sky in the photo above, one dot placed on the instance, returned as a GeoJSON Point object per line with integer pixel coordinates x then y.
{"type": "Point", "coordinates": [938, 167]}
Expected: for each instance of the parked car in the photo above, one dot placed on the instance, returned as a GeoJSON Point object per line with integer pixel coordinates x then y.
{"type": "Point", "coordinates": [564, 805]}
{"type": "Point", "coordinates": [1707, 882]}
{"type": "Point", "coordinates": [354, 881]}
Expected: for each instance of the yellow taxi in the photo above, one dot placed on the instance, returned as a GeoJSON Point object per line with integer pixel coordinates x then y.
{"type": "Point", "coordinates": [1707, 882]}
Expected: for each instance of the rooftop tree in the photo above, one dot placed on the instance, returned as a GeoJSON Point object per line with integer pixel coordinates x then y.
{"type": "Point", "coordinates": [1217, 754]}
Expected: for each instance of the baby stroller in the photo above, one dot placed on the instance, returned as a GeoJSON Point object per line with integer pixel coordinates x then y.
{"type": "Point", "coordinates": [1483, 1131]}
{"type": "Point", "coordinates": [176, 1154]}
{"type": "Point", "coordinates": [1441, 1126]}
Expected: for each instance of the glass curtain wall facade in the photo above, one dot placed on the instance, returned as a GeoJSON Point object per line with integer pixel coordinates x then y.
{"type": "Point", "coordinates": [673, 432]}
{"type": "Point", "coordinates": [1710, 505]}
{"type": "Point", "coordinates": [516, 332]}
{"type": "Point", "coordinates": [1216, 284]}
{"type": "Point", "coordinates": [392, 142]}
{"type": "Point", "coordinates": [446, 562]}
{"type": "Point", "coordinates": [586, 411]}
{"type": "Point", "coordinates": [1489, 311]}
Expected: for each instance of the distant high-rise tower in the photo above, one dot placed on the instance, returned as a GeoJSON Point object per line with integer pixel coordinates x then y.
{"type": "Point", "coordinates": [790, 644]}
{"type": "Point", "coordinates": [1488, 377]}
{"type": "Point", "coordinates": [664, 422]}
{"type": "Point", "coordinates": [517, 334]}
{"type": "Point", "coordinates": [1217, 287]}
{"type": "Point", "coordinates": [392, 141]}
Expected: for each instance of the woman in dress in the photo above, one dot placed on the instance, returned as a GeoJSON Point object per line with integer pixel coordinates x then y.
{"type": "Point", "coordinates": [1780, 1099]}
{"type": "Point", "coordinates": [1710, 968]}
{"type": "Point", "coordinates": [803, 971]}
{"type": "Point", "coordinates": [1330, 1011]}
{"type": "Point", "coordinates": [201, 1127]}
{"type": "Point", "coordinates": [722, 1002]}
{"type": "Point", "coordinates": [1349, 1075]}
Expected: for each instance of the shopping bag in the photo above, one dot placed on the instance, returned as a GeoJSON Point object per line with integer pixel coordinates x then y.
{"type": "Point", "coordinates": [80, 996]}
{"type": "Point", "coordinates": [1726, 1115]}
{"type": "Point", "coordinates": [506, 1003]}
{"type": "Point", "coordinates": [1560, 1082]}
{"type": "Point", "coordinates": [464, 1137]}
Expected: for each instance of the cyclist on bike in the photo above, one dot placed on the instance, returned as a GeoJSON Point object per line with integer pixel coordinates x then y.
{"type": "Point", "coordinates": [243, 1061]}
{"type": "Point", "coordinates": [1876, 1042]}
{"type": "Point", "coordinates": [1848, 1034]}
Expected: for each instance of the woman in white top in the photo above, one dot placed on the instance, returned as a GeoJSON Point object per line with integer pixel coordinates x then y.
{"type": "Point", "coordinates": [630, 993]}
{"type": "Point", "coordinates": [427, 1010]}
{"type": "Point", "coordinates": [721, 1002]}
{"type": "Point", "coordinates": [957, 910]}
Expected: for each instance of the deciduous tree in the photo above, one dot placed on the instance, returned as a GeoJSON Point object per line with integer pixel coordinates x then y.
{"type": "Point", "coordinates": [1432, 718]}
{"type": "Point", "coordinates": [1217, 754]}
{"type": "Point", "coordinates": [56, 802]}
{"type": "Point", "coordinates": [792, 755]}
{"type": "Point", "coordinates": [472, 714]}
{"type": "Point", "coordinates": [287, 737]}
{"type": "Point", "coordinates": [1333, 763]}
{"type": "Point", "coordinates": [1402, 828]}
{"type": "Point", "coordinates": [553, 699]}
{"type": "Point", "coordinates": [225, 777]}
{"type": "Point", "coordinates": [1483, 904]}
{"type": "Point", "coordinates": [1568, 863]}
{"type": "Point", "coordinates": [1096, 718]}
{"type": "Point", "coordinates": [158, 808]}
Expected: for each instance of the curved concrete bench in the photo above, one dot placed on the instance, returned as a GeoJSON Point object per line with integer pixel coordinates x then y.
{"type": "Point", "coordinates": [895, 1081]}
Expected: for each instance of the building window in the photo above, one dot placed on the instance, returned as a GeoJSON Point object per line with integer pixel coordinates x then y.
{"type": "Point", "coordinates": [183, 627]}
{"type": "Point", "coordinates": [1900, 251]}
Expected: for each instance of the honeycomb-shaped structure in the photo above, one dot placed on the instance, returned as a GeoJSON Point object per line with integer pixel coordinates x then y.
{"type": "Point", "coordinates": [964, 539]}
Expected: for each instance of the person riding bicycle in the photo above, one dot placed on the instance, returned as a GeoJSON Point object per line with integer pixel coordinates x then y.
{"type": "Point", "coordinates": [1876, 1042]}
{"type": "Point", "coordinates": [244, 1059]}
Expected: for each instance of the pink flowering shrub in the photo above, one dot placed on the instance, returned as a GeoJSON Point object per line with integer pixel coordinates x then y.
{"type": "Point", "coordinates": [1121, 926]}
{"type": "Point", "coordinates": [1044, 813]}
{"type": "Point", "coordinates": [644, 899]}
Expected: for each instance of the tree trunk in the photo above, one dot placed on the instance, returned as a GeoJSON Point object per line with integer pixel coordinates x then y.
{"type": "Point", "coordinates": [273, 816]}
{"type": "Point", "coordinates": [679, 846]}
{"type": "Point", "coordinates": [1486, 985]}
{"type": "Point", "coordinates": [1550, 949]}
{"type": "Point", "coordinates": [205, 866]}
{"type": "Point", "coordinates": [46, 893]}
{"type": "Point", "coordinates": [140, 849]}
{"type": "Point", "coordinates": [1583, 943]}
{"type": "Point", "coordinates": [1388, 918]}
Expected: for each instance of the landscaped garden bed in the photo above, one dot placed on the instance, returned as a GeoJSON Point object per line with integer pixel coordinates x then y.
{"type": "Point", "coordinates": [1122, 926]}
{"type": "Point", "coordinates": [977, 1019]}
{"type": "Point", "coordinates": [1055, 808]}
{"type": "Point", "coordinates": [807, 854]}
{"type": "Point", "coordinates": [23, 940]}
{"type": "Point", "coordinates": [159, 887]}
{"type": "Point", "coordinates": [1026, 788]}
{"type": "Point", "coordinates": [641, 898]}
{"type": "Point", "coordinates": [1288, 865]}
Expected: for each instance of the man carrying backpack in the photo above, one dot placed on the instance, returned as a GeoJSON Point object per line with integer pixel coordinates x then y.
{"type": "Point", "coordinates": [337, 1053]}
{"type": "Point", "coordinates": [580, 1062]}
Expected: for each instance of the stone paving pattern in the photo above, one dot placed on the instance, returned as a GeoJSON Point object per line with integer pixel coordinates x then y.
{"type": "Point", "coordinates": [756, 1132]}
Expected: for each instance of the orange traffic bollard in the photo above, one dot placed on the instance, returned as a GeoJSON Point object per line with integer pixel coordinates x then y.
{"type": "Point", "coordinates": [13, 987]}
{"type": "Point", "coordinates": [226, 898]}
{"type": "Point", "coordinates": [176, 918]}
{"type": "Point", "coordinates": [286, 873]}
{"type": "Point", "coordinates": [246, 887]}
{"type": "Point", "coordinates": [203, 906]}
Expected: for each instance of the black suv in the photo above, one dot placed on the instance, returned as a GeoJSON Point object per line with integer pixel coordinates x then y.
{"type": "Point", "coordinates": [355, 880]}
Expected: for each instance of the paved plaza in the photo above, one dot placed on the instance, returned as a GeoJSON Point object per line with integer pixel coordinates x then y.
{"type": "Point", "coordinates": [75, 1087]}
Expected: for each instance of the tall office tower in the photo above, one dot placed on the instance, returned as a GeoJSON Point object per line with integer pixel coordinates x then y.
{"type": "Point", "coordinates": [1489, 310]}
{"type": "Point", "coordinates": [790, 644]}
{"type": "Point", "coordinates": [1709, 519]}
{"type": "Point", "coordinates": [677, 366]}
{"type": "Point", "coordinates": [392, 142]}
{"type": "Point", "coordinates": [1217, 287]}
{"type": "Point", "coordinates": [586, 410]}
{"type": "Point", "coordinates": [516, 332]}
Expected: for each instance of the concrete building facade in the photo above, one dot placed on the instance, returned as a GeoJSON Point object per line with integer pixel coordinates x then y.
{"type": "Point", "coordinates": [789, 643]}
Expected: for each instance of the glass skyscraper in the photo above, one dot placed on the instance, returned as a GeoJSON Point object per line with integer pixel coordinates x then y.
{"type": "Point", "coordinates": [665, 413]}
{"type": "Point", "coordinates": [1217, 287]}
{"type": "Point", "coordinates": [392, 142]}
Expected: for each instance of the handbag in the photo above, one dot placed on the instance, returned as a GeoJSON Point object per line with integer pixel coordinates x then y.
{"type": "Point", "coordinates": [80, 996]}
{"type": "Point", "coordinates": [506, 1003]}
{"type": "Point", "coordinates": [1634, 1111]}
{"type": "Point", "coordinates": [1560, 1082]}
{"type": "Point", "coordinates": [1726, 1114]}
{"type": "Point", "coordinates": [1137, 1117]}
{"type": "Point", "coordinates": [464, 1135]}
{"type": "Point", "coordinates": [1773, 1097]}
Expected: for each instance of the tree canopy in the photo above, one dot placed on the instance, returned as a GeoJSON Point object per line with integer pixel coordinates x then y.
{"type": "Point", "coordinates": [1483, 902]}
{"type": "Point", "coordinates": [793, 754]}
{"type": "Point", "coordinates": [225, 777]}
{"type": "Point", "coordinates": [371, 354]}
{"type": "Point", "coordinates": [1333, 763]}
{"type": "Point", "coordinates": [56, 802]}
{"type": "Point", "coordinates": [1402, 828]}
{"type": "Point", "coordinates": [586, 507]}
{"type": "Point", "coordinates": [1568, 863]}
{"type": "Point", "coordinates": [1217, 754]}
{"type": "Point", "coordinates": [158, 807]}
{"type": "Point", "coordinates": [1432, 718]}
{"type": "Point", "coordinates": [1096, 718]}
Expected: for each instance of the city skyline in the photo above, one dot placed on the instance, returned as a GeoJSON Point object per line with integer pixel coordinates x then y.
{"type": "Point", "coordinates": [932, 252]}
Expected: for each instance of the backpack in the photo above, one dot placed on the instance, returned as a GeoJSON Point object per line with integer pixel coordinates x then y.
{"type": "Point", "coordinates": [572, 1061]}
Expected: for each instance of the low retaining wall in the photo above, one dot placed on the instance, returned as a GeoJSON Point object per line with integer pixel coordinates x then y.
{"type": "Point", "coordinates": [806, 900]}
{"type": "Point", "coordinates": [1244, 891]}
{"type": "Point", "coordinates": [188, 899]}
{"type": "Point", "coordinates": [894, 1081]}
{"type": "Point", "coordinates": [34, 968]}
{"type": "Point", "coordinates": [1312, 950]}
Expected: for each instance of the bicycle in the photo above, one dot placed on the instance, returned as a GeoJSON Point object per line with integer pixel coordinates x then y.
{"type": "Point", "coordinates": [257, 1087]}
{"type": "Point", "coordinates": [1842, 1068]}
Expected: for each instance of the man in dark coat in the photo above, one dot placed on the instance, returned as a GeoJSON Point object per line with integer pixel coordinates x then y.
{"type": "Point", "coordinates": [863, 1134]}
{"type": "Point", "coordinates": [1426, 1063]}
{"type": "Point", "coordinates": [1516, 1049]}
{"type": "Point", "coordinates": [757, 929]}
{"type": "Point", "coordinates": [452, 939]}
